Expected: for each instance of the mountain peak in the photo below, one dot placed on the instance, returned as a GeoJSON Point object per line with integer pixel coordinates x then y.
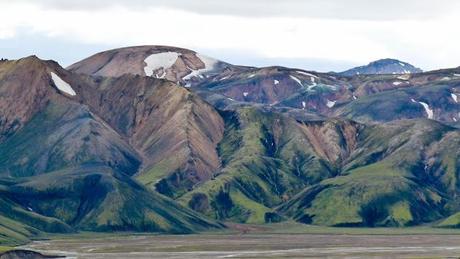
{"type": "Point", "coordinates": [383, 66]}
{"type": "Point", "coordinates": [179, 65]}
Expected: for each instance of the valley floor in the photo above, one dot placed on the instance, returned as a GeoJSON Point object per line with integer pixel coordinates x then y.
{"type": "Point", "coordinates": [277, 241]}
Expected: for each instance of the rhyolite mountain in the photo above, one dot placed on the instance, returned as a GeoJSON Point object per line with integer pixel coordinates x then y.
{"type": "Point", "coordinates": [63, 168]}
{"type": "Point", "coordinates": [163, 139]}
{"type": "Point", "coordinates": [383, 66]}
{"type": "Point", "coordinates": [175, 64]}
{"type": "Point", "coordinates": [289, 131]}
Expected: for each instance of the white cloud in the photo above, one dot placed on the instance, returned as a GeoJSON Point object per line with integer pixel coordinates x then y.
{"type": "Point", "coordinates": [336, 9]}
{"type": "Point", "coordinates": [429, 43]}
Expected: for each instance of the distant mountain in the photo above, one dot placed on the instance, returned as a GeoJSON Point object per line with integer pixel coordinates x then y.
{"type": "Point", "coordinates": [383, 66]}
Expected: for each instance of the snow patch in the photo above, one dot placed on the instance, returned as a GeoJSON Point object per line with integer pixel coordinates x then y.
{"type": "Point", "coordinates": [445, 78]}
{"type": "Point", "coordinates": [354, 97]}
{"type": "Point", "coordinates": [296, 79]}
{"type": "Point", "coordinates": [304, 105]}
{"type": "Point", "coordinates": [402, 64]}
{"type": "Point", "coordinates": [454, 96]}
{"type": "Point", "coordinates": [245, 94]}
{"type": "Point", "coordinates": [164, 60]}
{"type": "Point", "coordinates": [428, 111]}
{"type": "Point", "coordinates": [62, 85]}
{"type": "Point", "coordinates": [454, 119]}
{"type": "Point", "coordinates": [209, 64]}
{"type": "Point", "coordinates": [330, 104]}
{"type": "Point", "coordinates": [251, 75]}
{"type": "Point", "coordinates": [397, 83]}
{"type": "Point", "coordinates": [276, 82]}
{"type": "Point", "coordinates": [457, 75]}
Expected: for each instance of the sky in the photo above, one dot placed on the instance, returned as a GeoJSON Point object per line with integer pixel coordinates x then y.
{"type": "Point", "coordinates": [321, 35]}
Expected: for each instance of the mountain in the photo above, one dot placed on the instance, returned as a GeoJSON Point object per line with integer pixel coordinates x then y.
{"type": "Point", "coordinates": [154, 138]}
{"type": "Point", "coordinates": [296, 142]}
{"type": "Point", "coordinates": [64, 168]}
{"type": "Point", "coordinates": [179, 65]}
{"type": "Point", "coordinates": [383, 66]}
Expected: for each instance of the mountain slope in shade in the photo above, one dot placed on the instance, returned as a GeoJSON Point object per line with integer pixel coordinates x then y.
{"type": "Point", "coordinates": [97, 198]}
{"type": "Point", "coordinates": [62, 135]}
{"type": "Point", "coordinates": [383, 66]}
{"type": "Point", "coordinates": [175, 64]}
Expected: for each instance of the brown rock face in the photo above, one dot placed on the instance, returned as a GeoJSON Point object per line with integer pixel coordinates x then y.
{"type": "Point", "coordinates": [26, 87]}
{"type": "Point", "coordinates": [175, 130]}
{"type": "Point", "coordinates": [333, 140]}
{"type": "Point", "coordinates": [131, 60]}
{"type": "Point", "coordinates": [13, 76]}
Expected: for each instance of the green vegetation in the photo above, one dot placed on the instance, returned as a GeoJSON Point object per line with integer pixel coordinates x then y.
{"type": "Point", "coordinates": [5, 249]}
{"type": "Point", "coordinates": [267, 159]}
{"type": "Point", "coordinates": [385, 184]}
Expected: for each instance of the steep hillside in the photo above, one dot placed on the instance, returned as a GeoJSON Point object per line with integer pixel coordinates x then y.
{"type": "Point", "coordinates": [396, 177]}
{"type": "Point", "coordinates": [268, 158]}
{"type": "Point", "coordinates": [173, 129]}
{"type": "Point", "coordinates": [26, 87]}
{"type": "Point", "coordinates": [61, 135]}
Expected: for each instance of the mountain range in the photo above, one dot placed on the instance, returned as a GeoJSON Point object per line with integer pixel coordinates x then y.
{"type": "Point", "coordinates": [164, 139]}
